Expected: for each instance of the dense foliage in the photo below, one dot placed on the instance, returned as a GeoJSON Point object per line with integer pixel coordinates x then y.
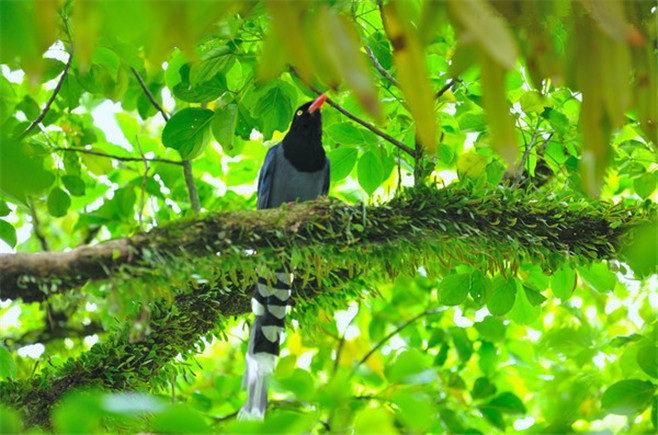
{"type": "Point", "coordinates": [485, 263]}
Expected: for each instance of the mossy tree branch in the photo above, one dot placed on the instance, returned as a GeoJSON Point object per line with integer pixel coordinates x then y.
{"type": "Point", "coordinates": [496, 231]}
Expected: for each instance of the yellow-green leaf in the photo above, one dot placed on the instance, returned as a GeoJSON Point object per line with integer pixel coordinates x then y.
{"type": "Point", "coordinates": [412, 74]}
{"type": "Point", "coordinates": [343, 50]}
{"type": "Point", "coordinates": [496, 107]}
{"type": "Point", "coordinates": [484, 24]}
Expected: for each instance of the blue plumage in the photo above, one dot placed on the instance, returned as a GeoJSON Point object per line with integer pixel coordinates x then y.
{"type": "Point", "coordinates": [294, 170]}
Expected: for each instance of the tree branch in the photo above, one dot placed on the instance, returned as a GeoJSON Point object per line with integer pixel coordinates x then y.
{"type": "Point", "coordinates": [358, 120]}
{"type": "Point", "coordinates": [149, 94]}
{"type": "Point", "coordinates": [119, 158]}
{"type": "Point", "coordinates": [191, 187]}
{"type": "Point", "coordinates": [380, 68]}
{"type": "Point", "coordinates": [493, 231]}
{"type": "Point", "coordinates": [389, 336]}
{"type": "Point", "coordinates": [46, 108]}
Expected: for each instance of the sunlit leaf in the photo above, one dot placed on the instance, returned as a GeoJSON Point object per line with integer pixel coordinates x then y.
{"type": "Point", "coordinates": [453, 289]}
{"type": "Point", "coordinates": [412, 74]}
{"type": "Point", "coordinates": [370, 172]}
{"type": "Point", "coordinates": [563, 282]}
{"type": "Point", "coordinates": [503, 295]}
{"type": "Point", "coordinates": [483, 23]}
{"type": "Point", "coordinates": [188, 131]}
{"type": "Point", "coordinates": [342, 161]}
{"type": "Point", "coordinates": [627, 397]}
{"type": "Point", "coordinates": [223, 128]}
{"type": "Point", "coordinates": [7, 233]}
{"type": "Point", "coordinates": [58, 202]}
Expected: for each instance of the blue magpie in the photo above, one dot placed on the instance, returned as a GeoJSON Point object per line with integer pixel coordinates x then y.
{"type": "Point", "coordinates": [296, 169]}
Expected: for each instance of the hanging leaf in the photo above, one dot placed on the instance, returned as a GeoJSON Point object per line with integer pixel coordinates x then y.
{"type": "Point", "coordinates": [342, 161]}
{"type": "Point", "coordinates": [344, 52]}
{"type": "Point", "coordinates": [223, 128]}
{"type": "Point", "coordinates": [485, 25]}
{"type": "Point", "coordinates": [412, 74]}
{"type": "Point", "coordinates": [7, 233]}
{"type": "Point", "coordinates": [58, 202]}
{"type": "Point", "coordinates": [74, 185]}
{"type": "Point", "coordinates": [497, 110]}
{"type": "Point", "coordinates": [628, 397]}
{"type": "Point", "coordinates": [453, 289]}
{"type": "Point", "coordinates": [274, 108]}
{"type": "Point", "coordinates": [502, 296]}
{"type": "Point", "coordinates": [188, 131]}
{"type": "Point", "coordinates": [370, 172]}
{"type": "Point", "coordinates": [201, 93]}
{"type": "Point", "coordinates": [563, 282]}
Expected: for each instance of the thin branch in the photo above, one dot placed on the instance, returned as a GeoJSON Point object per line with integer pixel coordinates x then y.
{"type": "Point", "coordinates": [389, 336]}
{"type": "Point", "coordinates": [51, 100]}
{"type": "Point", "coordinates": [149, 94]}
{"type": "Point", "coordinates": [378, 66]}
{"type": "Point", "coordinates": [36, 226]}
{"type": "Point", "coordinates": [365, 124]}
{"type": "Point", "coordinates": [191, 187]}
{"type": "Point", "coordinates": [445, 88]}
{"type": "Point", "coordinates": [146, 171]}
{"type": "Point", "coordinates": [119, 158]}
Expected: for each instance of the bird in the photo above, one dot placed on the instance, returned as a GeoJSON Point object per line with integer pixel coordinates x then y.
{"type": "Point", "coordinates": [294, 170]}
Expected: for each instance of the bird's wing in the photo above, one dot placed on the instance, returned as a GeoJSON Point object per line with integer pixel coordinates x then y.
{"type": "Point", "coordinates": [327, 179]}
{"type": "Point", "coordinates": [265, 178]}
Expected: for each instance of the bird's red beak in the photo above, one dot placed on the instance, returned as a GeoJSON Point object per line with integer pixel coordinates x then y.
{"type": "Point", "coordinates": [317, 103]}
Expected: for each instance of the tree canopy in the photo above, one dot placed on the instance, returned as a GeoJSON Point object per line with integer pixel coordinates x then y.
{"type": "Point", "coordinates": [485, 262]}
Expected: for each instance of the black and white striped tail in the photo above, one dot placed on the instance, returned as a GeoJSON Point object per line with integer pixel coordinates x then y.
{"type": "Point", "coordinates": [269, 305]}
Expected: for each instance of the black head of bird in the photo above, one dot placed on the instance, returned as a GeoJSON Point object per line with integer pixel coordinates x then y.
{"type": "Point", "coordinates": [302, 145]}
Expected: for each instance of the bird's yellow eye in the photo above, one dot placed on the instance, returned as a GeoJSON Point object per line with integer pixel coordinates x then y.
{"type": "Point", "coordinates": [299, 113]}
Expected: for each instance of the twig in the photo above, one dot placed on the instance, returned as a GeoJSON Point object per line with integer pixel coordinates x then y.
{"type": "Point", "coordinates": [379, 67]}
{"type": "Point", "coordinates": [36, 226]}
{"type": "Point", "coordinates": [119, 158]}
{"type": "Point", "coordinates": [46, 108]}
{"type": "Point", "coordinates": [445, 88]}
{"type": "Point", "coordinates": [389, 336]}
{"type": "Point", "coordinates": [338, 352]}
{"type": "Point", "coordinates": [149, 95]}
{"type": "Point", "coordinates": [366, 124]}
{"type": "Point", "coordinates": [146, 171]}
{"type": "Point", "coordinates": [191, 187]}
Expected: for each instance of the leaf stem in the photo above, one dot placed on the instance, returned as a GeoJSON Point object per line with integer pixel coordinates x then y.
{"type": "Point", "coordinates": [149, 94]}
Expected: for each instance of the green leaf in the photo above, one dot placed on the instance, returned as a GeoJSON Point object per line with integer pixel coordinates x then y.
{"type": "Point", "coordinates": [344, 133]}
{"type": "Point", "coordinates": [491, 328]}
{"type": "Point", "coordinates": [188, 131]}
{"type": "Point", "coordinates": [223, 128]}
{"type": "Point", "coordinates": [641, 252]}
{"type": "Point", "coordinates": [503, 295]}
{"type": "Point", "coordinates": [410, 367]}
{"type": "Point", "coordinates": [507, 403]}
{"type": "Point", "coordinates": [480, 287]}
{"type": "Point", "coordinates": [98, 165]}
{"type": "Point", "coordinates": [453, 289]}
{"type": "Point", "coordinates": [274, 108]}
{"type": "Point", "coordinates": [16, 162]}
{"type": "Point", "coordinates": [412, 73]}
{"type": "Point", "coordinates": [523, 312]}
{"type": "Point", "coordinates": [180, 419]}
{"type": "Point", "coordinates": [483, 22]}
{"type": "Point", "coordinates": [493, 415]}
{"type": "Point", "coordinates": [74, 185]}
{"type": "Point", "coordinates": [4, 208]}
{"type": "Point", "coordinates": [483, 388]}
{"type": "Point", "coordinates": [599, 277]}
{"type": "Point", "coordinates": [628, 397]}
{"type": "Point", "coordinates": [10, 421]}
{"type": "Point", "coordinates": [374, 421]}
{"type": "Point", "coordinates": [415, 409]}
{"type": "Point", "coordinates": [7, 365]}
{"type": "Point", "coordinates": [216, 61]}
{"type": "Point", "coordinates": [534, 297]}
{"type": "Point", "coordinates": [342, 161]}
{"type": "Point", "coordinates": [79, 412]}
{"type": "Point", "coordinates": [563, 282]}
{"type": "Point", "coordinates": [488, 358]}
{"type": "Point", "coordinates": [300, 383]}
{"type": "Point", "coordinates": [7, 233]}
{"type": "Point", "coordinates": [58, 202]}
{"type": "Point", "coordinates": [645, 184]}
{"type": "Point", "coordinates": [647, 359]}
{"type": "Point", "coordinates": [462, 343]}
{"type": "Point", "coordinates": [201, 93]}
{"type": "Point", "coordinates": [370, 172]}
